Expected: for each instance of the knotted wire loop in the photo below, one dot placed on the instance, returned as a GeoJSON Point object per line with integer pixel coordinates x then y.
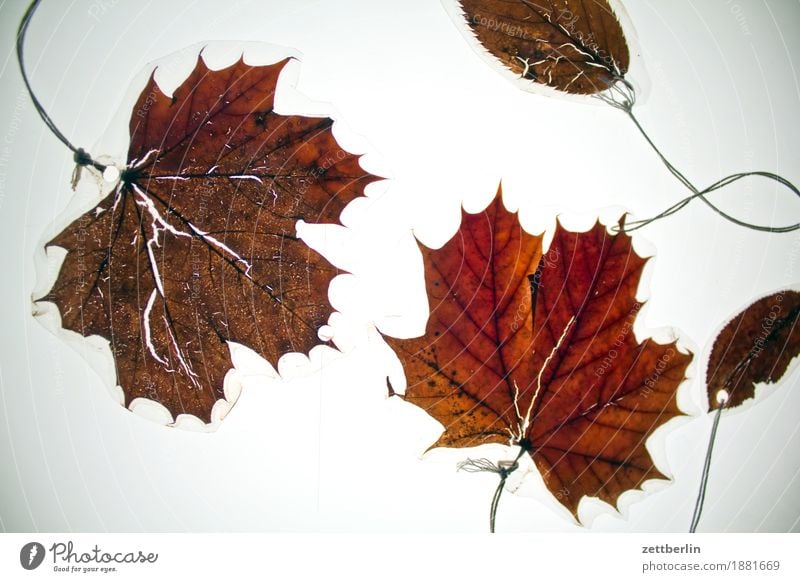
{"type": "Point", "coordinates": [80, 156]}
{"type": "Point", "coordinates": [621, 95]}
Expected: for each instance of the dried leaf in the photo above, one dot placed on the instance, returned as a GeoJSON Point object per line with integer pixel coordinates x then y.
{"type": "Point", "coordinates": [575, 46]}
{"type": "Point", "coordinates": [197, 246]}
{"type": "Point", "coordinates": [566, 380]}
{"type": "Point", "coordinates": [755, 346]}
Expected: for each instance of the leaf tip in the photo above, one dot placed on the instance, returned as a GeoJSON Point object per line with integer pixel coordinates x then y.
{"type": "Point", "coordinates": [391, 392]}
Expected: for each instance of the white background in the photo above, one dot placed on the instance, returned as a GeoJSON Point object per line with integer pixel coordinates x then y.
{"type": "Point", "coordinates": [325, 450]}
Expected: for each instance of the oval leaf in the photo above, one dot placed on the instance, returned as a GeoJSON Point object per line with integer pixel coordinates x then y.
{"type": "Point", "coordinates": [575, 46]}
{"type": "Point", "coordinates": [197, 246]}
{"type": "Point", "coordinates": [755, 346]}
{"type": "Point", "coordinates": [539, 351]}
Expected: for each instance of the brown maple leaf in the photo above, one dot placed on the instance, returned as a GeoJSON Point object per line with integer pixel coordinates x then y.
{"type": "Point", "coordinates": [755, 346]}
{"type": "Point", "coordinates": [539, 351]}
{"type": "Point", "coordinates": [575, 46]}
{"type": "Point", "coordinates": [197, 247]}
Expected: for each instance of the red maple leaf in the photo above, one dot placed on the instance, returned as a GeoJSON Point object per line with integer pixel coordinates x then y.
{"type": "Point", "coordinates": [539, 351]}
{"type": "Point", "coordinates": [197, 245]}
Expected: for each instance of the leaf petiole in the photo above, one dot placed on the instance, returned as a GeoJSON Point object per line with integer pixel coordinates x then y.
{"type": "Point", "coordinates": [502, 468]}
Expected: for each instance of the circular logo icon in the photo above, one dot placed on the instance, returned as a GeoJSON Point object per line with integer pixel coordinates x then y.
{"type": "Point", "coordinates": [31, 555]}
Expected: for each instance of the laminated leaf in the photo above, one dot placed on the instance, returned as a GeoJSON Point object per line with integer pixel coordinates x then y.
{"type": "Point", "coordinates": [197, 245]}
{"type": "Point", "coordinates": [755, 347]}
{"type": "Point", "coordinates": [539, 351]}
{"type": "Point", "coordinates": [576, 46]}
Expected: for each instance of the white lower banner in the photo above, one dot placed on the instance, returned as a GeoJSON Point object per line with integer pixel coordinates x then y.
{"type": "Point", "coordinates": [354, 557]}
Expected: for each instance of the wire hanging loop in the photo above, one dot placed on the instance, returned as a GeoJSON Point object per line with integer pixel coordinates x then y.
{"type": "Point", "coordinates": [621, 95]}
{"type": "Point", "coordinates": [81, 157]}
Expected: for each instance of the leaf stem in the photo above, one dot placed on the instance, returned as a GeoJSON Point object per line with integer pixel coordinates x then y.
{"type": "Point", "coordinates": [495, 501]}
{"type": "Point", "coordinates": [504, 469]}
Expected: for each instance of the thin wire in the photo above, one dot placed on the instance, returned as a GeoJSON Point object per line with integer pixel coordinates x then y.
{"type": "Point", "coordinates": [81, 156]}
{"type": "Point", "coordinates": [623, 97]}
{"type": "Point", "coordinates": [701, 194]}
{"type": "Point", "coordinates": [701, 495]}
